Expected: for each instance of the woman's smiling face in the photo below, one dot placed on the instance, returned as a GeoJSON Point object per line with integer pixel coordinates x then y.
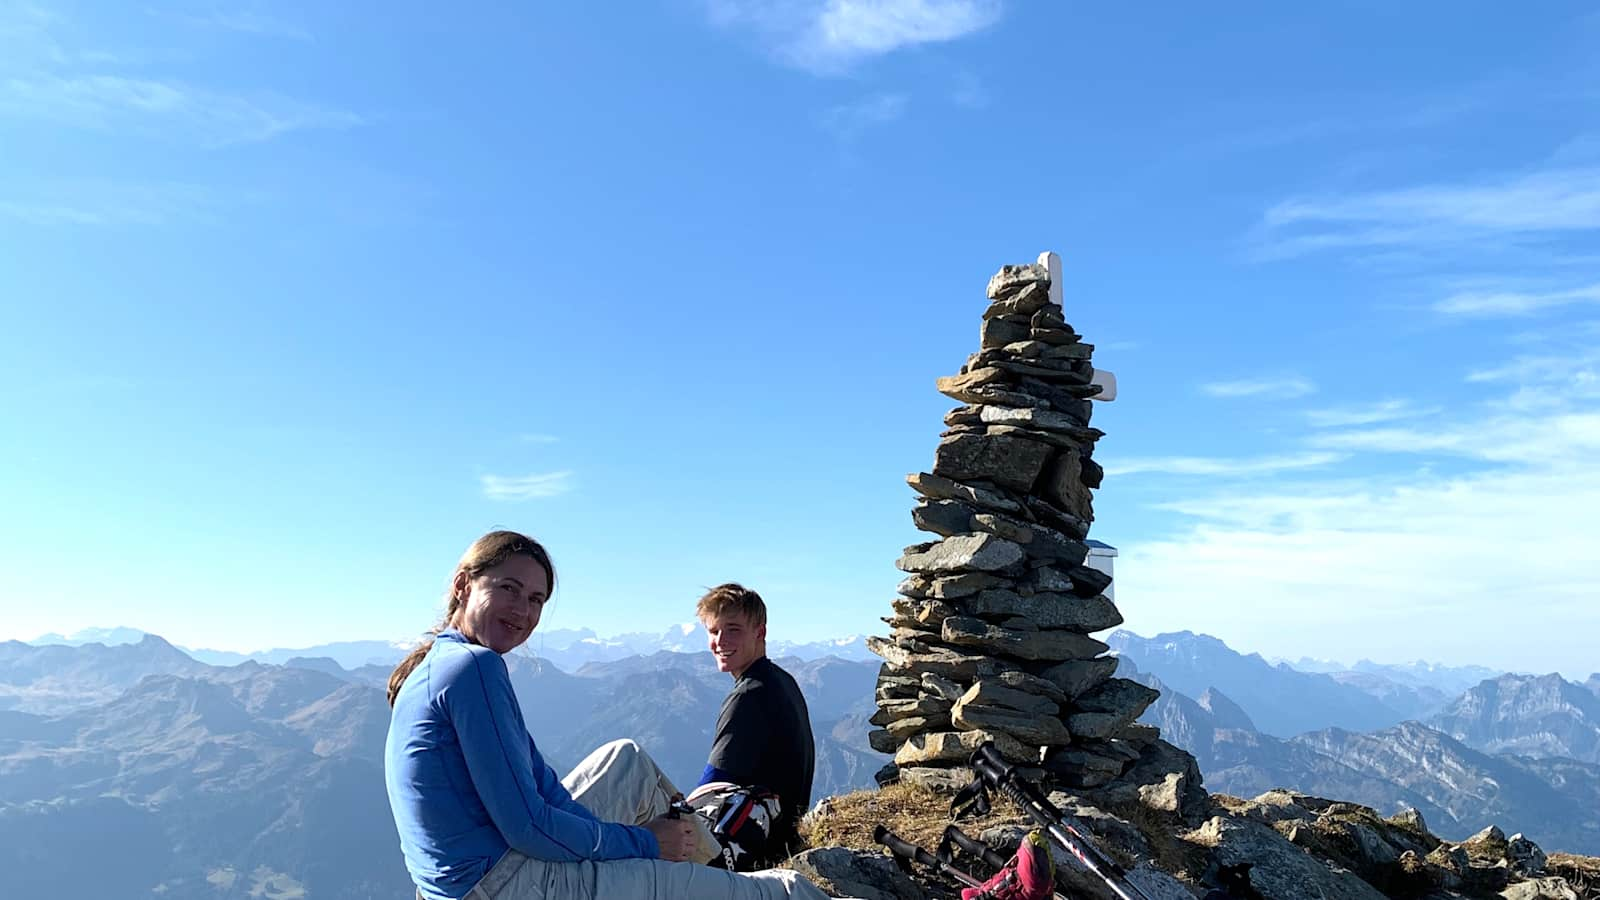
{"type": "Point", "coordinates": [502, 603]}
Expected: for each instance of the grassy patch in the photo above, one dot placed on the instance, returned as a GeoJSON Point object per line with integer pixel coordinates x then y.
{"type": "Point", "coordinates": [1582, 872]}
{"type": "Point", "coordinates": [915, 813]}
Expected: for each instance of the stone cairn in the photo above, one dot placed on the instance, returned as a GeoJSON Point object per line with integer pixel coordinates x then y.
{"type": "Point", "coordinates": [991, 632]}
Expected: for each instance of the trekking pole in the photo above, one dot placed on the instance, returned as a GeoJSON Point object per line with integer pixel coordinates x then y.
{"type": "Point", "coordinates": [957, 837]}
{"type": "Point", "coordinates": [1002, 776]}
{"type": "Point", "coordinates": [973, 847]}
{"type": "Point", "coordinates": [909, 851]}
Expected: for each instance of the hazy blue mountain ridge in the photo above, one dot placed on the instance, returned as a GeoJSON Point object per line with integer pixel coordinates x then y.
{"type": "Point", "coordinates": [1541, 716]}
{"type": "Point", "coordinates": [1282, 701]}
{"type": "Point", "coordinates": [261, 780]}
{"type": "Point", "coordinates": [1459, 786]}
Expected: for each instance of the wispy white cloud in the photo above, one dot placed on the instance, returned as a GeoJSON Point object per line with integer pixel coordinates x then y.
{"type": "Point", "coordinates": [829, 36]}
{"type": "Point", "coordinates": [1371, 414]}
{"type": "Point", "coordinates": [98, 202]}
{"type": "Point", "coordinates": [46, 75]}
{"type": "Point", "coordinates": [849, 121]}
{"type": "Point", "coordinates": [163, 108]}
{"type": "Point", "coordinates": [1439, 525]}
{"type": "Point", "coordinates": [1488, 304]}
{"type": "Point", "coordinates": [527, 487]}
{"type": "Point", "coordinates": [242, 21]}
{"type": "Point", "coordinates": [1286, 387]}
{"type": "Point", "coordinates": [1375, 564]}
{"type": "Point", "coordinates": [1534, 205]}
{"type": "Point", "coordinates": [1199, 465]}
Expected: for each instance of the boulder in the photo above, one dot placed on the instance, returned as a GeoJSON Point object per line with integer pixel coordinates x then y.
{"type": "Point", "coordinates": [964, 667]}
{"type": "Point", "coordinates": [936, 487]}
{"type": "Point", "coordinates": [1119, 696]}
{"type": "Point", "coordinates": [946, 781]}
{"type": "Point", "coordinates": [1524, 856]}
{"type": "Point", "coordinates": [946, 518]}
{"type": "Point", "coordinates": [1011, 462]}
{"type": "Point", "coordinates": [1281, 871]}
{"type": "Point", "coordinates": [921, 614]}
{"type": "Point", "coordinates": [1073, 527]}
{"type": "Point", "coordinates": [1139, 734]}
{"type": "Point", "coordinates": [842, 872]}
{"type": "Point", "coordinates": [1035, 419]}
{"type": "Point", "coordinates": [992, 395]}
{"type": "Point", "coordinates": [902, 729]}
{"type": "Point", "coordinates": [964, 584]}
{"type": "Point", "coordinates": [957, 747]}
{"type": "Point", "coordinates": [1032, 684]}
{"type": "Point", "coordinates": [1078, 676]}
{"type": "Point", "coordinates": [989, 692]}
{"type": "Point", "coordinates": [981, 552]}
{"type": "Point", "coordinates": [1164, 778]}
{"type": "Point", "coordinates": [934, 686]}
{"type": "Point", "coordinates": [1081, 581]}
{"type": "Point", "coordinates": [1000, 331]}
{"type": "Point", "coordinates": [1063, 486]}
{"type": "Point", "coordinates": [1048, 610]}
{"type": "Point", "coordinates": [1074, 759]}
{"type": "Point", "coordinates": [1017, 298]}
{"type": "Point", "coordinates": [1049, 371]}
{"type": "Point", "coordinates": [882, 740]}
{"type": "Point", "coordinates": [1030, 645]}
{"type": "Point", "coordinates": [1035, 730]}
{"type": "Point", "coordinates": [1541, 889]}
{"type": "Point", "coordinates": [1050, 334]}
{"type": "Point", "coordinates": [890, 710]}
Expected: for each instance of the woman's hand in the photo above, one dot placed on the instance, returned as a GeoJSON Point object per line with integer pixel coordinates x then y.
{"type": "Point", "coordinates": [675, 835]}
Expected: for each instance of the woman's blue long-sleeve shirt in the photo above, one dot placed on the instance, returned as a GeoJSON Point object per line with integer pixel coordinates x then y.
{"type": "Point", "coordinates": [466, 782]}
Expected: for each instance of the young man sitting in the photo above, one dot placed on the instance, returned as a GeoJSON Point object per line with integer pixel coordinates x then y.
{"type": "Point", "coordinates": [763, 737]}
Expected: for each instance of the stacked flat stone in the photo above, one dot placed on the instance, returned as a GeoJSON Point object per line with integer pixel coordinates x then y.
{"type": "Point", "coordinates": [990, 635]}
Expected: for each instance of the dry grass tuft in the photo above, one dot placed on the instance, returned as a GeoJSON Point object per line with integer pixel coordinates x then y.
{"type": "Point", "coordinates": [915, 813]}
{"type": "Point", "coordinates": [1582, 872]}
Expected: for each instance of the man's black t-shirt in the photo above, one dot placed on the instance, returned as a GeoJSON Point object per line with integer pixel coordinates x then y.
{"type": "Point", "coordinates": [764, 738]}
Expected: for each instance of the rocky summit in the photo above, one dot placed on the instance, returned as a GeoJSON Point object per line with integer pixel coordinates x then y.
{"type": "Point", "coordinates": [991, 640]}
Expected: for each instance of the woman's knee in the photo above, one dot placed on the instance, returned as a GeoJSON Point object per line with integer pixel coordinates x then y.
{"type": "Point", "coordinates": [623, 747]}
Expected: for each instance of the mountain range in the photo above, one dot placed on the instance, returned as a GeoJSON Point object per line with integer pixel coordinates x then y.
{"type": "Point", "coordinates": [1514, 750]}
{"type": "Point", "coordinates": [261, 779]}
{"type": "Point", "coordinates": [568, 648]}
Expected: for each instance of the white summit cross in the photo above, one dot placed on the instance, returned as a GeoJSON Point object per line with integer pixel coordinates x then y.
{"type": "Point", "coordinates": [1051, 261]}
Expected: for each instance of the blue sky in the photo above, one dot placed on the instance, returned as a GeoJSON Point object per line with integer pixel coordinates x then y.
{"type": "Point", "coordinates": [298, 298]}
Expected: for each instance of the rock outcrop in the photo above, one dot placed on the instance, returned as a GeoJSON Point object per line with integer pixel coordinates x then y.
{"type": "Point", "coordinates": [991, 634]}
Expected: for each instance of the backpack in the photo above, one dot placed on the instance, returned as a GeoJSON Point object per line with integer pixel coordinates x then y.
{"type": "Point", "coordinates": [740, 818]}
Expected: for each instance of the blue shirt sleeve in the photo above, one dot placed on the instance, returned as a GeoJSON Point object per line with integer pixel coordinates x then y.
{"type": "Point", "coordinates": [712, 773]}
{"type": "Point", "coordinates": [525, 800]}
{"type": "Point", "coordinates": [551, 788]}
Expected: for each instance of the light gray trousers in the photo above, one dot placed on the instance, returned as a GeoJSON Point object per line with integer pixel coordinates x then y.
{"type": "Point", "coordinates": [621, 783]}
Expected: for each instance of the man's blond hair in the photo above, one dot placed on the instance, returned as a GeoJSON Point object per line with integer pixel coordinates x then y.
{"type": "Point", "coordinates": [732, 598]}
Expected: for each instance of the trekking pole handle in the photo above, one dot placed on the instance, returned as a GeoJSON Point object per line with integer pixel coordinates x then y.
{"type": "Point", "coordinates": [907, 850]}
{"type": "Point", "coordinates": [988, 755]}
{"type": "Point", "coordinates": [901, 847]}
{"type": "Point", "coordinates": [974, 847]}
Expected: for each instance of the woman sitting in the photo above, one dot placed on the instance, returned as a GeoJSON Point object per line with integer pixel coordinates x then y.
{"type": "Point", "coordinates": [480, 813]}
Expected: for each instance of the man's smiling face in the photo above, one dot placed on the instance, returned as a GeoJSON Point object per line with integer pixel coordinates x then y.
{"type": "Point", "coordinates": [735, 643]}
